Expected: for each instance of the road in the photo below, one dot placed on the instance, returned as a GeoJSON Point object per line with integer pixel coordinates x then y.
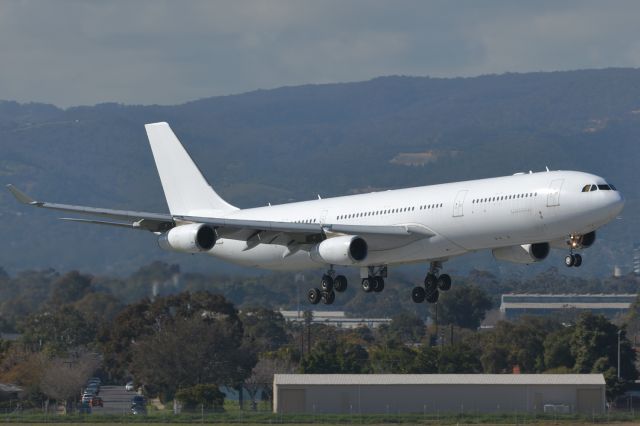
{"type": "Point", "coordinates": [116, 400]}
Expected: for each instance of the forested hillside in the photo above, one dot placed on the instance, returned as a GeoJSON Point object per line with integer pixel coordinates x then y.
{"type": "Point", "coordinates": [293, 143]}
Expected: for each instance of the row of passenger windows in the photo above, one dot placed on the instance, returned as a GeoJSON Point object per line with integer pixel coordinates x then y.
{"type": "Point", "coordinates": [388, 211]}
{"type": "Point", "coordinates": [504, 197]}
{"type": "Point", "coordinates": [605, 187]}
{"type": "Point", "coordinates": [305, 221]}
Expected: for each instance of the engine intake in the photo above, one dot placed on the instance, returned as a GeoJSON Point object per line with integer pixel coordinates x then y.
{"type": "Point", "coordinates": [344, 250]}
{"type": "Point", "coordinates": [526, 253]}
{"type": "Point", "coordinates": [192, 238]}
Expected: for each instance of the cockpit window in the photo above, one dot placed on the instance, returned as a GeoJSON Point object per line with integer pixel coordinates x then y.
{"type": "Point", "coordinates": [604, 187]}
{"type": "Point", "coordinates": [594, 187]}
{"type": "Point", "coordinates": [586, 188]}
{"type": "Point", "coordinates": [613, 188]}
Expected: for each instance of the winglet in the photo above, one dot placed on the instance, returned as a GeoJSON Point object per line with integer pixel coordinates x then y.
{"type": "Point", "coordinates": [22, 197]}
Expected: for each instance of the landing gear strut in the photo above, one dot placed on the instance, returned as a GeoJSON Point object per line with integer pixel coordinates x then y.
{"type": "Point", "coordinates": [434, 283]}
{"type": "Point", "coordinates": [329, 285]}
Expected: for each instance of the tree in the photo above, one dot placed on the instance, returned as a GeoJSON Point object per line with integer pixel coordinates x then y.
{"type": "Point", "coordinates": [407, 327]}
{"type": "Point", "coordinates": [464, 306]}
{"type": "Point", "coordinates": [192, 345]}
{"type": "Point", "coordinates": [64, 377]}
{"type": "Point", "coordinates": [594, 344]}
{"type": "Point", "coordinates": [392, 356]}
{"type": "Point", "coordinates": [59, 330]}
{"type": "Point", "coordinates": [264, 329]}
{"type": "Point", "coordinates": [557, 349]}
{"type": "Point", "coordinates": [458, 359]}
{"type": "Point", "coordinates": [206, 396]}
{"type": "Point", "coordinates": [336, 358]}
{"type": "Point", "coordinates": [69, 288]}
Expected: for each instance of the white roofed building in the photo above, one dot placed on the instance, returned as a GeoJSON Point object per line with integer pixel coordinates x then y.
{"type": "Point", "coordinates": [442, 393]}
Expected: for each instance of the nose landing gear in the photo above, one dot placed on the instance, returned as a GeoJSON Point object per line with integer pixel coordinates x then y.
{"type": "Point", "coordinates": [573, 260]}
{"type": "Point", "coordinates": [329, 285]}
{"type": "Point", "coordinates": [433, 285]}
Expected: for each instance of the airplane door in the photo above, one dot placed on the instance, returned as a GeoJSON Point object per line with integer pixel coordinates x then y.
{"type": "Point", "coordinates": [458, 204]}
{"type": "Point", "coordinates": [323, 216]}
{"type": "Point", "coordinates": [553, 199]}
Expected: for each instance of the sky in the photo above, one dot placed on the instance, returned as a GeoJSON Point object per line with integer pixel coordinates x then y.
{"type": "Point", "coordinates": [167, 52]}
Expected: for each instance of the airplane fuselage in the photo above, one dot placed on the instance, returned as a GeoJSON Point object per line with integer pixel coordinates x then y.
{"type": "Point", "coordinates": [463, 217]}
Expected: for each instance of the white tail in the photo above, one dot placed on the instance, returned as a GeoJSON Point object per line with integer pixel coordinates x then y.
{"type": "Point", "coordinates": [187, 192]}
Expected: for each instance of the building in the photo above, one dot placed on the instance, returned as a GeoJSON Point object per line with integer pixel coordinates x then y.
{"type": "Point", "coordinates": [610, 305]}
{"type": "Point", "coordinates": [441, 393]}
{"type": "Point", "coordinates": [335, 318]}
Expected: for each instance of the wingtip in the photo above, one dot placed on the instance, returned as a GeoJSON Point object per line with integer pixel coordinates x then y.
{"type": "Point", "coordinates": [20, 196]}
{"type": "Point", "coordinates": [158, 124]}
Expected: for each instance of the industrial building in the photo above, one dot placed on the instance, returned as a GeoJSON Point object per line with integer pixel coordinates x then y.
{"type": "Point", "coordinates": [335, 318]}
{"type": "Point", "coordinates": [514, 306]}
{"type": "Point", "coordinates": [441, 393]}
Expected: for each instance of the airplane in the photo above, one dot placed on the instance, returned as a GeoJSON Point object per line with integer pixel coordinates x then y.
{"type": "Point", "coordinates": [520, 218]}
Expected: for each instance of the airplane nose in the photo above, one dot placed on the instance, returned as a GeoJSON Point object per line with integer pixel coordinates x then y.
{"type": "Point", "coordinates": [618, 203]}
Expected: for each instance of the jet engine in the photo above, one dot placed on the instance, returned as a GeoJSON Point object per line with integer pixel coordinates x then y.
{"type": "Point", "coordinates": [526, 253]}
{"type": "Point", "coordinates": [192, 238]}
{"type": "Point", "coordinates": [344, 250]}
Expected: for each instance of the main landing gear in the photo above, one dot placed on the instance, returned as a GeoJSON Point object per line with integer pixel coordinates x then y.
{"type": "Point", "coordinates": [373, 278]}
{"type": "Point", "coordinates": [329, 285]}
{"type": "Point", "coordinates": [434, 283]}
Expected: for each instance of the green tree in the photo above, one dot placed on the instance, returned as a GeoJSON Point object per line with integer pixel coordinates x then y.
{"type": "Point", "coordinates": [594, 344]}
{"type": "Point", "coordinates": [336, 358]}
{"type": "Point", "coordinates": [69, 288]}
{"type": "Point", "coordinates": [391, 356]}
{"type": "Point", "coordinates": [407, 327]}
{"type": "Point", "coordinates": [557, 349]}
{"type": "Point", "coordinates": [207, 396]}
{"type": "Point", "coordinates": [458, 359]}
{"type": "Point", "coordinates": [264, 329]}
{"type": "Point", "coordinates": [58, 331]}
{"type": "Point", "coordinates": [464, 306]}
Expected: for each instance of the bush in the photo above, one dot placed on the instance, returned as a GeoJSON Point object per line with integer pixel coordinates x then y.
{"type": "Point", "coordinates": [206, 394]}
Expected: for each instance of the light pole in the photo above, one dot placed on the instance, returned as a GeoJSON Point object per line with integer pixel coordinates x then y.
{"type": "Point", "coordinates": [619, 332]}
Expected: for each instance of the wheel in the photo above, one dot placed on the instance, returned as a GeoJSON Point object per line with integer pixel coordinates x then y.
{"type": "Point", "coordinates": [430, 283]}
{"type": "Point", "coordinates": [433, 297]}
{"type": "Point", "coordinates": [313, 295]}
{"type": "Point", "coordinates": [418, 294]}
{"type": "Point", "coordinates": [340, 283]}
{"type": "Point", "coordinates": [444, 282]}
{"type": "Point", "coordinates": [577, 260]}
{"type": "Point", "coordinates": [570, 260]}
{"type": "Point", "coordinates": [367, 285]}
{"type": "Point", "coordinates": [326, 284]}
{"type": "Point", "coordinates": [328, 297]}
{"type": "Point", "coordinates": [378, 284]}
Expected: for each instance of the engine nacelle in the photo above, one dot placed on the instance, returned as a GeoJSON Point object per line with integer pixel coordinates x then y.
{"type": "Point", "coordinates": [192, 238]}
{"type": "Point", "coordinates": [526, 253]}
{"type": "Point", "coordinates": [344, 250]}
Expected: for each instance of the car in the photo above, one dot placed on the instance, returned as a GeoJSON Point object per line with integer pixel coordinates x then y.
{"type": "Point", "coordinates": [138, 400]}
{"type": "Point", "coordinates": [93, 389]}
{"type": "Point", "coordinates": [96, 401]}
{"type": "Point", "coordinates": [139, 410]}
{"type": "Point", "coordinates": [87, 397]}
{"type": "Point", "coordinates": [129, 387]}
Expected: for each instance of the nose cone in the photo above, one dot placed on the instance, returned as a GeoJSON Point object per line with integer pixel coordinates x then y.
{"type": "Point", "coordinates": [617, 204]}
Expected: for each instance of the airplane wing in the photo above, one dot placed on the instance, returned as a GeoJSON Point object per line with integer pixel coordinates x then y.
{"type": "Point", "coordinates": [252, 231]}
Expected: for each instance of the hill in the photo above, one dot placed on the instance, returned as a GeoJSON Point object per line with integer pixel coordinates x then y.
{"type": "Point", "coordinates": [293, 143]}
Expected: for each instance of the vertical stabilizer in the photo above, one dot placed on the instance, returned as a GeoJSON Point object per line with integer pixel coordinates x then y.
{"type": "Point", "coordinates": [187, 192]}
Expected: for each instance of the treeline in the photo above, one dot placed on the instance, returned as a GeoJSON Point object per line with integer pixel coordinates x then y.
{"type": "Point", "coordinates": [102, 296]}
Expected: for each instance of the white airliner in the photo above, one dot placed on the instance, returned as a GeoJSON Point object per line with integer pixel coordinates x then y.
{"type": "Point", "coordinates": [518, 217]}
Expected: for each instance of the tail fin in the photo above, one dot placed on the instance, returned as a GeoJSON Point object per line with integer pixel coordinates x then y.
{"type": "Point", "coordinates": [187, 192]}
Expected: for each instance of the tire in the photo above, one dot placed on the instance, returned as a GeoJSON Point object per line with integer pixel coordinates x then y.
{"type": "Point", "coordinates": [378, 284]}
{"type": "Point", "coordinates": [340, 283]}
{"type": "Point", "coordinates": [328, 297]}
{"type": "Point", "coordinates": [418, 294]}
{"type": "Point", "coordinates": [433, 297]}
{"type": "Point", "coordinates": [430, 283]}
{"type": "Point", "coordinates": [577, 260]}
{"type": "Point", "coordinates": [569, 260]}
{"type": "Point", "coordinates": [444, 282]}
{"type": "Point", "coordinates": [367, 285]}
{"type": "Point", "coordinates": [313, 296]}
{"type": "Point", "coordinates": [326, 284]}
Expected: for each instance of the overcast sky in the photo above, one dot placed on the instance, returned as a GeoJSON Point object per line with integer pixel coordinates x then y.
{"type": "Point", "coordinates": [144, 52]}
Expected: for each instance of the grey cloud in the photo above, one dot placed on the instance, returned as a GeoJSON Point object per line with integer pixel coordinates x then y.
{"type": "Point", "coordinates": [73, 52]}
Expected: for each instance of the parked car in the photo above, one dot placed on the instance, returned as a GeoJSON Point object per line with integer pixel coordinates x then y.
{"type": "Point", "coordinates": [129, 387]}
{"type": "Point", "coordinates": [86, 398]}
{"type": "Point", "coordinates": [138, 400]}
{"type": "Point", "coordinates": [139, 410]}
{"type": "Point", "coordinates": [96, 401]}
